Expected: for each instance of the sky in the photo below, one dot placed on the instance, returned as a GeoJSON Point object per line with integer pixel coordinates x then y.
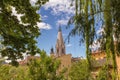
{"type": "Point", "coordinates": [53, 14]}
{"type": "Point", "coordinates": [56, 13]}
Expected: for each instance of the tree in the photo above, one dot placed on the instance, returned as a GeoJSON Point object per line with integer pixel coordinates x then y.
{"type": "Point", "coordinates": [44, 68]}
{"type": "Point", "coordinates": [8, 72]}
{"type": "Point", "coordinates": [18, 35]}
{"type": "Point", "coordinates": [109, 36]}
{"type": "Point", "coordinates": [111, 22]}
{"type": "Point", "coordinates": [116, 19]}
{"type": "Point", "coordinates": [4, 70]}
{"type": "Point", "coordinates": [18, 73]}
{"type": "Point", "coordinates": [104, 74]}
{"type": "Point", "coordinates": [13, 73]}
{"type": "Point", "coordinates": [79, 71]}
{"type": "Point", "coordinates": [84, 21]}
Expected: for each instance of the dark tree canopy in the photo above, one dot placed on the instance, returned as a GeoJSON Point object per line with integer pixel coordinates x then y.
{"type": "Point", "coordinates": [17, 36]}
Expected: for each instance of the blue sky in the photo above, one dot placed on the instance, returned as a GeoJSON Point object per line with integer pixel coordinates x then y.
{"type": "Point", "coordinates": [53, 14]}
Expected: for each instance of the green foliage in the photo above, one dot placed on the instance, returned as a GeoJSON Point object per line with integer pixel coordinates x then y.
{"type": "Point", "coordinates": [18, 73]}
{"type": "Point", "coordinates": [19, 36]}
{"type": "Point", "coordinates": [84, 24]}
{"type": "Point", "coordinates": [104, 73]}
{"type": "Point", "coordinates": [109, 36]}
{"type": "Point", "coordinates": [8, 72]}
{"type": "Point", "coordinates": [116, 20]}
{"type": "Point", "coordinates": [87, 12]}
{"type": "Point", "coordinates": [4, 72]}
{"type": "Point", "coordinates": [44, 68]}
{"type": "Point", "coordinates": [79, 71]}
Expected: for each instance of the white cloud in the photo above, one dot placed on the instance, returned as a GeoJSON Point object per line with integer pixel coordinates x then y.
{"type": "Point", "coordinates": [62, 22]}
{"type": "Point", "coordinates": [95, 45]}
{"type": "Point", "coordinates": [64, 35]}
{"type": "Point", "coordinates": [101, 31]}
{"type": "Point", "coordinates": [14, 12]}
{"type": "Point", "coordinates": [33, 2]}
{"type": "Point", "coordinates": [44, 17]}
{"type": "Point", "coordinates": [43, 25]}
{"type": "Point", "coordinates": [69, 45]}
{"type": "Point", "coordinates": [60, 6]}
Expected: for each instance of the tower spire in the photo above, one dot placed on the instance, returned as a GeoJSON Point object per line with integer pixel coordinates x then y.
{"type": "Point", "coordinates": [52, 52]}
{"type": "Point", "coordinates": [60, 46]}
{"type": "Point", "coordinates": [59, 27]}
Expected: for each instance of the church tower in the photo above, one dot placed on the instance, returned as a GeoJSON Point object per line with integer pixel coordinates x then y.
{"type": "Point", "coordinates": [60, 46]}
{"type": "Point", "coordinates": [52, 52]}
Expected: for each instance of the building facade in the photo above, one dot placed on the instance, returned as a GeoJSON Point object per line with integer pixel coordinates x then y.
{"type": "Point", "coordinates": [100, 57]}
